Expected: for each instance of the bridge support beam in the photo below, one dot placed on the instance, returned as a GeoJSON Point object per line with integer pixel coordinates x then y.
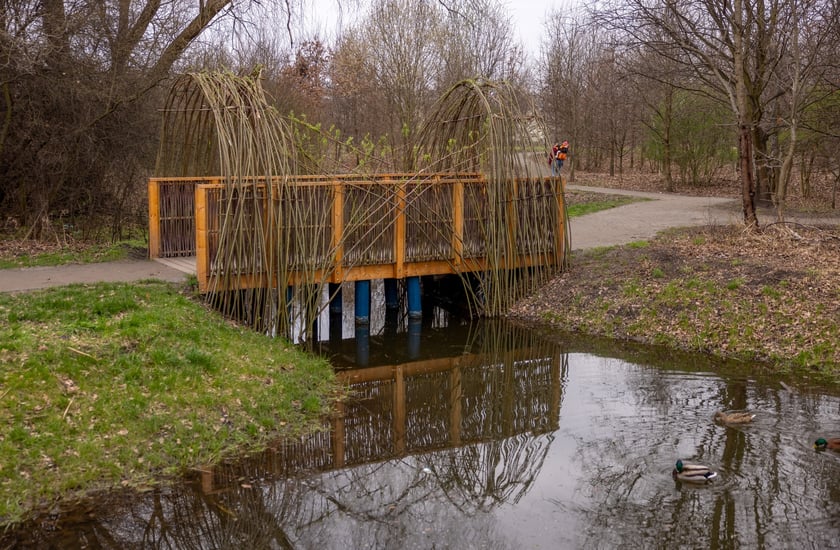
{"type": "Point", "coordinates": [415, 305]}
{"type": "Point", "coordinates": [362, 306]}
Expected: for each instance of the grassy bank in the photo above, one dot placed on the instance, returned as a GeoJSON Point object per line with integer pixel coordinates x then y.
{"type": "Point", "coordinates": [771, 297]}
{"type": "Point", "coordinates": [116, 384]}
{"type": "Point", "coordinates": [16, 253]}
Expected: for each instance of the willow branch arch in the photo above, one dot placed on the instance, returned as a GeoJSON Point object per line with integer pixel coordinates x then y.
{"type": "Point", "coordinates": [280, 214]}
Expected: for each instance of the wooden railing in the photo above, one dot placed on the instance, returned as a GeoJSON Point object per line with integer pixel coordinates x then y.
{"type": "Point", "coordinates": [383, 226]}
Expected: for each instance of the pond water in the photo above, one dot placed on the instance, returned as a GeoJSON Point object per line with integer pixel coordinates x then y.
{"type": "Point", "coordinates": [493, 436]}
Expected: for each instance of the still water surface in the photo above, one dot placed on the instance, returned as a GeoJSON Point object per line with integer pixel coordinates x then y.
{"type": "Point", "coordinates": [492, 436]}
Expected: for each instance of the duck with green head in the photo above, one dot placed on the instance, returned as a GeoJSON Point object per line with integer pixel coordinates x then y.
{"type": "Point", "coordinates": [692, 473]}
{"type": "Point", "coordinates": [832, 443]}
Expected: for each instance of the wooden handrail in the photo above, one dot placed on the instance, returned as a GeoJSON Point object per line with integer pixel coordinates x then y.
{"type": "Point", "coordinates": [459, 247]}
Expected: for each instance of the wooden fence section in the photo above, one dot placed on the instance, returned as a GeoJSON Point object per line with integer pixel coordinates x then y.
{"type": "Point", "coordinates": [362, 228]}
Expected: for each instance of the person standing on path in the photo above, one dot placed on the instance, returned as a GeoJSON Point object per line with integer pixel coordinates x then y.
{"type": "Point", "coordinates": [561, 155]}
{"type": "Point", "coordinates": [556, 165]}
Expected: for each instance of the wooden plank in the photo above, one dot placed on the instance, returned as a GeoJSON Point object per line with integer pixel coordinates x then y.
{"type": "Point", "coordinates": [185, 264]}
{"type": "Point", "coordinates": [372, 272]}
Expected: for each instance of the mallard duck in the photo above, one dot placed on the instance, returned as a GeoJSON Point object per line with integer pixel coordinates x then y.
{"type": "Point", "coordinates": [832, 443]}
{"type": "Point", "coordinates": [733, 417]}
{"type": "Point", "coordinates": [693, 473]}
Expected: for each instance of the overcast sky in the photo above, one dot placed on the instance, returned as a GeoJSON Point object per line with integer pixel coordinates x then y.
{"type": "Point", "coordinates": [526, 15]}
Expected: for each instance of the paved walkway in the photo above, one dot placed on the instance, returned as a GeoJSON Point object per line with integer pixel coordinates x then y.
{"type": "Point", "coordinates": [621, 225]}
{"type": "Point", "coordinates": [644, 219]}
{"type": "Point", "coordinates": [31, 278]}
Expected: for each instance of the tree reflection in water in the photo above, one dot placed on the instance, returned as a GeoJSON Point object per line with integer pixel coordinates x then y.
{"type": "Point", "coordinates": [420, 448]}
{"type": "Point", "coordinates": [511, 442]}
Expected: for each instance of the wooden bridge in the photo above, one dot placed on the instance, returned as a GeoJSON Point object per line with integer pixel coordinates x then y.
{"type": "Point", "coordinates": [386, 226]}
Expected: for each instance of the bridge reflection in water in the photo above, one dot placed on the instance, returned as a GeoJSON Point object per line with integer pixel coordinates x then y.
{"type": "Point", "coordinates": [468, 424]}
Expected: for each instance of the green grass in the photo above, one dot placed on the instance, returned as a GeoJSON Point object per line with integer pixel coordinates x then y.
{"type": "Point", "coordinates": [121, 385]}
{"type": "Point", "coordinates": [89, 253]}
{"type": "Point", "coordinates": [581, 209]}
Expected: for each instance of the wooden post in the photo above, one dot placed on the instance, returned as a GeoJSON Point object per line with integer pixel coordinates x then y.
{"type": "Point", "coordinates": [154, 218]}
{"type": "Point", "coordinates": [560, 231]}
{"type": "Point", "coordinates": [455, 406]}
{"type": "Point", "coordinates": [458, 222]}
{"type": "Point", "coordinates": [202, 258]}
{"type": "Point", "coordinates": [511, 259]}
{"type": "Point", "coordinates": [399, 232]}
{"type": "Point", "coordinates": [557, 374]}
{"type": "Point", "coordinates": [339, 436]}
{"type": "Point", "coordinates": [338, 230]}
{"type": "Point", "coordinates": [399, 411]}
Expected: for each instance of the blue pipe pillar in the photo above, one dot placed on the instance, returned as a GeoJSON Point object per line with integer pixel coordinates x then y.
{"type": "Point", "coordinates": [415, 305]}
{"type": "Point", "coordinates": [415, 329]}
{"type": "Point", "coordinates": [362, 306]}
{"type": "Point", "coordinates": [362, 344]}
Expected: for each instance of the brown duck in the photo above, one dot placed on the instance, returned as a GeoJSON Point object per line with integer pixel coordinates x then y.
{"type": "Point", "coordinates": [734, 417]}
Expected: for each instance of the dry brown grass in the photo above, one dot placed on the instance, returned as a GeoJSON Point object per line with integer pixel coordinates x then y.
{"type": "Point", "coordinates": [771, 296]}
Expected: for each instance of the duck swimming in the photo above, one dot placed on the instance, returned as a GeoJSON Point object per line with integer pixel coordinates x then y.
{"type": "Point", "coordinates": [734, 417]}
{"type": "Point", "coordinates": [692, 473]}
{"type": "Point", "coordinates": [832, 443]}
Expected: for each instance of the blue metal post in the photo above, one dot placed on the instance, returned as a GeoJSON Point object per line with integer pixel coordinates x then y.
{"type": "Point", "coordinates": [415, 306]}
{"type": "Point", "coordinates": [362, 306]}
{"type": "Point", "coordinates": [415, 329]}
{"type": "Point", "coordinates": [362, 345]}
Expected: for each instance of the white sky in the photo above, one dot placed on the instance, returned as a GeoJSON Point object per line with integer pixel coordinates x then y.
{"type": "Point", "coordinates": [527, 17]}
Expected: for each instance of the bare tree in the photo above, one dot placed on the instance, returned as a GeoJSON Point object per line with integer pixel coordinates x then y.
{"type": "Point", "coordinates": [565, 59]}
{"type": "Point", "coordinates": [735, 49]}
{"type": "Point", "coordinates": [478, 40]}
{"type": "Point", "coordinates": [80, 81]}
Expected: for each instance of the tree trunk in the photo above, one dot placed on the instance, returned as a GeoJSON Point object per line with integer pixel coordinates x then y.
{"type": "Point", "coordinates": [666, 139]}
{"type": "Point", "coordinates": [745, 164]}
